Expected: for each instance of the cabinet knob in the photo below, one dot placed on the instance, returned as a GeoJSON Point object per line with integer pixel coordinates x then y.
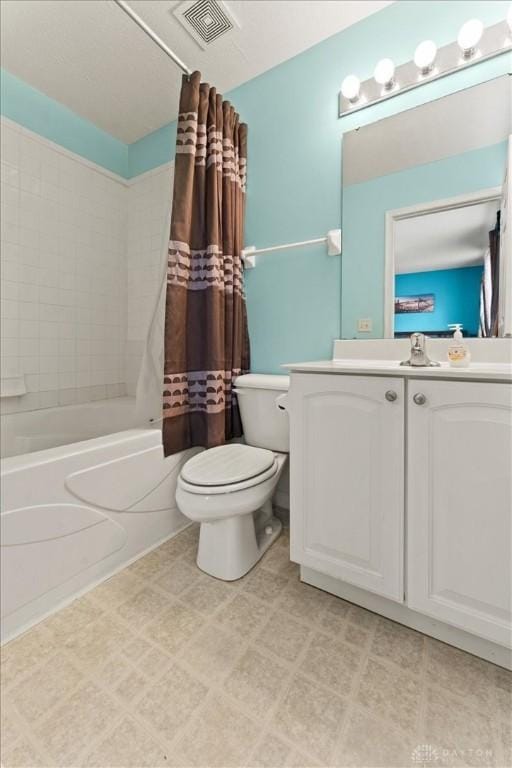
{"type": "Point", "coordinates": [391, 395]}
{"type": "Point", "coordinates": [419, 398]}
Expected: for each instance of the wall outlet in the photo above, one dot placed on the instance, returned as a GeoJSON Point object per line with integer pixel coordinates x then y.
{"type": "Point", "coordinates": [365, 325]}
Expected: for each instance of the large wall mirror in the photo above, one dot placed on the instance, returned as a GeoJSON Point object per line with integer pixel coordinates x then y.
{"type": "Point", "coordinates": [425, 237]}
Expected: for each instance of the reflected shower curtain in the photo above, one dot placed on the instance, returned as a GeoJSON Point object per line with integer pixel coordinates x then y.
{"type": "Point", "coordinates": [489, 290]}
{"type": "Point", "coordinates": [206, 337]}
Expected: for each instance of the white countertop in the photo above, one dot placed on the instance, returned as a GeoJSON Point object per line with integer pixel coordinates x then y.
{"type": "Point", "coordinates": [475, 371]}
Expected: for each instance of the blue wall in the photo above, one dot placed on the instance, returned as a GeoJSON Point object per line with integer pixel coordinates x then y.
{"type": "Point", "coordinates": [294, 171]}
{"type": "Point", "coordinates": [47, 117]}
{"type": "Point", "coordinates": [364, 209]}
{"type": "Point", "coordinates": [456, 299]}
{"type": "Point", "coordinates": [152, 150]}
{"type": "Point", "coordinates": [294, 168]}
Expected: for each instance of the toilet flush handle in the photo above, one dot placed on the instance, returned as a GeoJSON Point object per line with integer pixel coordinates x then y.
{"type": "Point", "coordinates": [282, 402]}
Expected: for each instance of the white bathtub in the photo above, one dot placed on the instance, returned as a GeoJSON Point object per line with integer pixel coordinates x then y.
{"type": "Point", "coordinates": [76, 512]}
{"type": "Point", "coordinates": [30, 431]}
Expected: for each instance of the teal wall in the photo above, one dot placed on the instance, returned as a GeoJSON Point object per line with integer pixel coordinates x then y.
{"type": "Point", "coordinates": [294, 171]}
{"type": "Point", "coordinates": [364, 210]}
{"type": "Point", "coordinates": [456, 299]}
{"type": "Point", "coordinates": [47, 117]}
{"type": "Point", "coordinates": [152, 150]}
{"type": "Point", "coordinates": [294, 166]}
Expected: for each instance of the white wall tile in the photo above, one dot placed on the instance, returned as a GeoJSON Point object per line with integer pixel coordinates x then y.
{"type": "Point", "coordinates": [80, 268]}
{"type": "Point", "coordinates": [63, 241]}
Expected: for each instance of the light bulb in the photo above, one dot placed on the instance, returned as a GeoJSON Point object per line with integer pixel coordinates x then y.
{"type": "Point", "coordinates": [351, 87]}
{"type": "Point", "coordinates": [384, 73]}
{"type": "Point", "coordinates": [469, 37]}
{"type": "Point", "coordinates": [425, 55]}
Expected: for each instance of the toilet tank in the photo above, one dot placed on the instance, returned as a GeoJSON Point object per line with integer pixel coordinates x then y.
{"type": "Point", "coordinates": [265, 423]}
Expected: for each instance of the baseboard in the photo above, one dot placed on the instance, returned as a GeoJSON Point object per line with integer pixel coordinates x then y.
{"type": "Point", "coordinates": [478, 646]}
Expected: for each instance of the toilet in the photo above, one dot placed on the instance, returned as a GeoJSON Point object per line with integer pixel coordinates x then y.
{"type": "Point", "coordinates": [229, 489]}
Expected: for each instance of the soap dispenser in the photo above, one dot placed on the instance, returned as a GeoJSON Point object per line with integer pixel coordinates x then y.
{"type": "Point", "coordinates": [459, 355]}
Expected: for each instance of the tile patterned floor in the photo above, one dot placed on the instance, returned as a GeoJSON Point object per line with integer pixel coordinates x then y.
{"type": "Point", "coordinates": [164, 666]}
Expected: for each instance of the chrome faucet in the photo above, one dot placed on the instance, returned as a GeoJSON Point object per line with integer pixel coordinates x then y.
{"type": "Point", "coordinates": [419, 357]}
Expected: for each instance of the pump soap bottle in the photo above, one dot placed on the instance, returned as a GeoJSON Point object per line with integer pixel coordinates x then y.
{"type": "Point", "coordinates": [459, 355]}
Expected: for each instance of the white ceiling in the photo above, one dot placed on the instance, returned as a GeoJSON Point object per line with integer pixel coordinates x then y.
{"type": "Point", "coordinates": [444, 240]}
{"type": "Point", "coordinates": [90, 56]}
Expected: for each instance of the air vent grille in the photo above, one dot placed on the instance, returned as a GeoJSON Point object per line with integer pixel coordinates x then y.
{"type": "Point", "coordinates": [205, 20]}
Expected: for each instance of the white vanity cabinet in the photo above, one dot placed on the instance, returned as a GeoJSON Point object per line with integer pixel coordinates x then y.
{"type": "Point", "coordinates": [347, 487]}
{"type": "Point", "coordinates": [459, 500]}
{"type": "Point", "coordinates": [401, 498]}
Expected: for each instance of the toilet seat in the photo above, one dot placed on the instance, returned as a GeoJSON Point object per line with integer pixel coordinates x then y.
{"type": "Point", "coordinates": [227, 468]}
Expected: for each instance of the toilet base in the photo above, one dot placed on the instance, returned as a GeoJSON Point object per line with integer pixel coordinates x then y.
{"type": "Point", "coordinates": [229, 548]}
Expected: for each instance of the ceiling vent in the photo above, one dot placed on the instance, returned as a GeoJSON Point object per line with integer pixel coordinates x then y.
{"type": "Point", "coordinates": [206, 20]}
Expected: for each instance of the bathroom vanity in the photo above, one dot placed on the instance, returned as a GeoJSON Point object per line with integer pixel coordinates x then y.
{"type": "Point", "coordinates": [401, 476]}
{"type": "Point", "coordinates": [401, 488]}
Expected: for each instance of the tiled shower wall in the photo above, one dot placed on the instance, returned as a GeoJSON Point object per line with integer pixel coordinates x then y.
{"type": "Point", "coordinates": [63, 255]}
{"type": "Point", "coordinates": [80, 255]}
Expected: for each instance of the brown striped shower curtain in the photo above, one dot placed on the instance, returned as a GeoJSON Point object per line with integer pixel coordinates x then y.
{"type": "Point", "coordinates": [206, 337]}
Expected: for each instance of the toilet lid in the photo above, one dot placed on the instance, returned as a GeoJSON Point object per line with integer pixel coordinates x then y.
{"type": "Point", "coordinates": [227, 464]}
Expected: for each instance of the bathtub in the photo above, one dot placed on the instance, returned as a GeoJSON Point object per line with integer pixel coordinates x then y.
{"type": "Point", "coordinates": [84, 492]}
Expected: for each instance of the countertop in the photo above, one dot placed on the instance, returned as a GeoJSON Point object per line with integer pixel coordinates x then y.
{"type": "Point", "coordinates": [497, 372]}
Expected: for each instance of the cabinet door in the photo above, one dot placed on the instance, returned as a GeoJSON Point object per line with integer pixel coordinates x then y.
{"type": "Point", "coordinates": [459, 505]}
{"type": "Point", "coordinates": [346, 471]}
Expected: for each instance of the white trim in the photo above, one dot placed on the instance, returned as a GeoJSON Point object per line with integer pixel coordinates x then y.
{"type": "Point", "coordinates": [152, 172]}
{"type": "Point", "coordinates": [399, 214]}
{"type": "Point", "coordinates": [19, 128]}
{"type": "Point", "coordinates": [479, 646]}
{"type": "Point", "coordinates": [62, 150]}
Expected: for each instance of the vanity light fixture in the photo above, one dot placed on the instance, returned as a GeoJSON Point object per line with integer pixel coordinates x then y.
{"type": "Point", "coordinates": [384, 73]}
{"type": "Point", "coordinates": [469, 36]}
{"type": "Point", "coordinates": [351, 88]}
{"type": "Point", "coordinates": [475, 43]}
{"type": "Point", "coordinates": [425, 56]}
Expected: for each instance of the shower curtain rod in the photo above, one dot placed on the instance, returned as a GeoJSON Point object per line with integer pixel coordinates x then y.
{"type": "Point", "coordinates": [154, 37]}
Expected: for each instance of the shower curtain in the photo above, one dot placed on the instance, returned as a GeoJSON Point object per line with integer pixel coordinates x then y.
{"type": "Point", "coordinates": [206, 337]}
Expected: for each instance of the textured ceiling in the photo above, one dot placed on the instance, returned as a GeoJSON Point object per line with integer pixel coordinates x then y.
{"type": "Point", "coordinates": [444, 240]}
{"type": "Point", "coordinates": [91, 57]}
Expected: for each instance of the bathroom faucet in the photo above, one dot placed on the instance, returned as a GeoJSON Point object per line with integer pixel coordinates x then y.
{"type": "Point", "coordinates": [419, 357]}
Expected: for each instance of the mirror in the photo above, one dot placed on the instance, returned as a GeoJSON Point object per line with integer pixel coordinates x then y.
{"type": "Point", "coordinates": [425, 238]}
